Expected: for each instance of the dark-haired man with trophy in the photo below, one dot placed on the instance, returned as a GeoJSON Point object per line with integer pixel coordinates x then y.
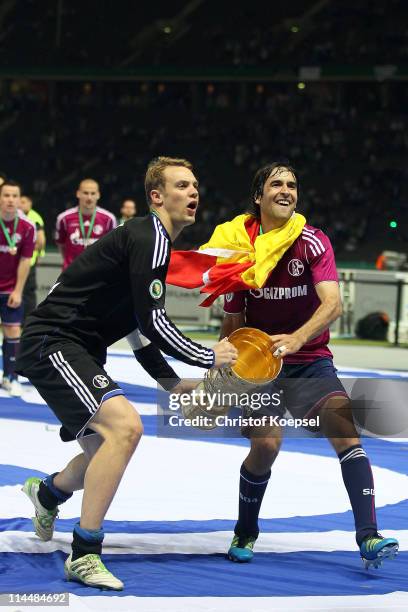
{"type": "Point", "coordinates": [295, 307]}
{"type": "Point", "coordinates": [278, 274]}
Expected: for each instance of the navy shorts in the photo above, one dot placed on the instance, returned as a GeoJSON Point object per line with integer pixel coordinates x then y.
{"type": "Point", "coordinates": [72, 382]}
{"type": "Point", "coordinates": [303, 389]}
{"type": "Point", "coordinates": [10, 316]}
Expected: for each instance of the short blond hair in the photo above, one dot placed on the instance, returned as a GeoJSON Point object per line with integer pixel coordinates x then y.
{"type": "Point", "coordinates": [154, 178]}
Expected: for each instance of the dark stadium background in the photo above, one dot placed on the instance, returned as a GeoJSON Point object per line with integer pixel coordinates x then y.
{"type": "Point", "coordinates": [97, 88]}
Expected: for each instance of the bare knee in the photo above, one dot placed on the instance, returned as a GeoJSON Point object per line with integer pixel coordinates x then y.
{"type": "Point", "coordinates": [118, 423]}
{"type": "Point", "coordinates": [337, 419]}
{"type": "Point", "coordinates": [338, 425]}
{"type": "Point", "coordinates": [267, 447]}
{"type": "Point", "coordinates": [263, 453]}
{"type": "Point", "coordinates": [129, 431]}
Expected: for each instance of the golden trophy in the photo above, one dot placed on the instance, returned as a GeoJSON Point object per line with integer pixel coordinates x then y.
{"type": "Point", "coordinates": [255, 368]}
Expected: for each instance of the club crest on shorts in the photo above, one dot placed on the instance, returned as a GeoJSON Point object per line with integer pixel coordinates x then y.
{"type": "Point", "coordinates": [295, 267]}
{"type": "Point", "coordinates": [156, 289]}
{"type": "Point", "coordinates": [100, 381]}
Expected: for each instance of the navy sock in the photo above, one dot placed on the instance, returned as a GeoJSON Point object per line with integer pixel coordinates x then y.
{"type": "Point", "coordinates": [86, 542]}
{"type": "Point", "coordinates": [10, 348]}
{"type": "Point", "coordinates": [359, 482]}
{"type": "Point", "coordinates": [49, 495]}
{"type": "Point", "coordinates": [251, 492]}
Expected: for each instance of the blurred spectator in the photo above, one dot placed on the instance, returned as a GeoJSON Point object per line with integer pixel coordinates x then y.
{"type": "Point", "coordinates": [128, 210]}
{"type": "Point", "coordinates": [347, 32]}
{"type": "Point", "coordinates": [349, 139]}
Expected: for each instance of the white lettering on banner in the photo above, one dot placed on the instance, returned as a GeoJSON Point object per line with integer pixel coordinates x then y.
{"type": "Point", "coordinates": [279, 293]}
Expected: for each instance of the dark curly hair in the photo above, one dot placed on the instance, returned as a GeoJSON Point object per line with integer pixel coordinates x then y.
{"type": "Point", "coordinates": [260, 179]}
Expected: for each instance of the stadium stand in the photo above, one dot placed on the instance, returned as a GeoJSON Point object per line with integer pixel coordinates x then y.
{"type": "Point", "coordinates": [207, 96]}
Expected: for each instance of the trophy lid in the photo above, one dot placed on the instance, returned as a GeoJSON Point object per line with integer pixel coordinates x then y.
{"type": "Point", "coordinates": [255, 359]}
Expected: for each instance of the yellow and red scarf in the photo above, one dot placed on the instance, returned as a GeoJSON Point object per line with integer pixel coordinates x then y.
{"type": "Point", "coordinates": [236, 257]}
